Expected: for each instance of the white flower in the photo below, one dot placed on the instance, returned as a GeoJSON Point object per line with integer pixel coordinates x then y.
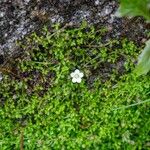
{"type": "Point", "coordinates": [76, 76]}
{"type": "Point", "coordinates": [1, 77]}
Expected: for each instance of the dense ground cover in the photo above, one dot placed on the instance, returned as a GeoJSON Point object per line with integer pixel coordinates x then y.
{"type": "Point", "coordinates": [41, 108]}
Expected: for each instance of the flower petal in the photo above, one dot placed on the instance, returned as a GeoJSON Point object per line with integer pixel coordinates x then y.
{"type": "Point", "coordinates": [74, 80]}
{"type": "Point", "coordinates": [77, 71]}
{"type": "Point", "coordinates": [72, 74]}
{"type": "Point", "coordinates": [78, 80]}
{"type": "Point", "coordinates": [81, 74]}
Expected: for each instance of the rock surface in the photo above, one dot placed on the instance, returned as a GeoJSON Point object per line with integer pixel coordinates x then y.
{"type": "Point", "coordinates": [19, 18]}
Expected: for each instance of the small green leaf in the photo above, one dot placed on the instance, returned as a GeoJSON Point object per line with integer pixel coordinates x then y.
{"type": "Point", "coordinates": [143, 66]}
{"type": "Point", "coordinates": [134, 8]}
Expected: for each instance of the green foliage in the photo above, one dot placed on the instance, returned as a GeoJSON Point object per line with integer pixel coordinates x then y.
{"type": "Point", "coordinates": [143, 66]}
{"type": "Point", "coordinates": [54, 113]}
{"type": "Point", "coordinates": [135, 8]}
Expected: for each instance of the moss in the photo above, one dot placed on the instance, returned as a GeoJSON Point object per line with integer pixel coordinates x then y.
{"type": "Point", "coordinates": [39, 100]}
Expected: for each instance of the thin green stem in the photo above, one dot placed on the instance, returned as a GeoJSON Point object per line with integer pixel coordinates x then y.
{"type": "Point", "coordinates": [135, 104]}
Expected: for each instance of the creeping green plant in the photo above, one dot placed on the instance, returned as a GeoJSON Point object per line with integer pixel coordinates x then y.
{"type": "Point", "coordinates": [138, 8]}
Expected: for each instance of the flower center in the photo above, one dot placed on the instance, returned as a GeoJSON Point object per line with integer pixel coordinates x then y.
{"type": "Point", "coordinates": [76, 76]}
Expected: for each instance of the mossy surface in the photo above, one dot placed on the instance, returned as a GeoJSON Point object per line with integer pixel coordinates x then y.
{"type": "Point", "coordinates": [40, 104]}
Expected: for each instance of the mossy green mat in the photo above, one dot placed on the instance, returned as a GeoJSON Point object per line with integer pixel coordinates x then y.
{"type": "Point", "coordinates": [41, 109]}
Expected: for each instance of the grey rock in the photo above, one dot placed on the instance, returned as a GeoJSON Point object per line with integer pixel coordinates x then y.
{"type": "Point", "coordinates": [19, 18]}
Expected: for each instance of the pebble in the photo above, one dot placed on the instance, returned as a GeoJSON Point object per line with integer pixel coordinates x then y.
{"type": "Point", "coordinates": [97, 2]}
{"type": "Point", "coordinates": [2, 14]}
